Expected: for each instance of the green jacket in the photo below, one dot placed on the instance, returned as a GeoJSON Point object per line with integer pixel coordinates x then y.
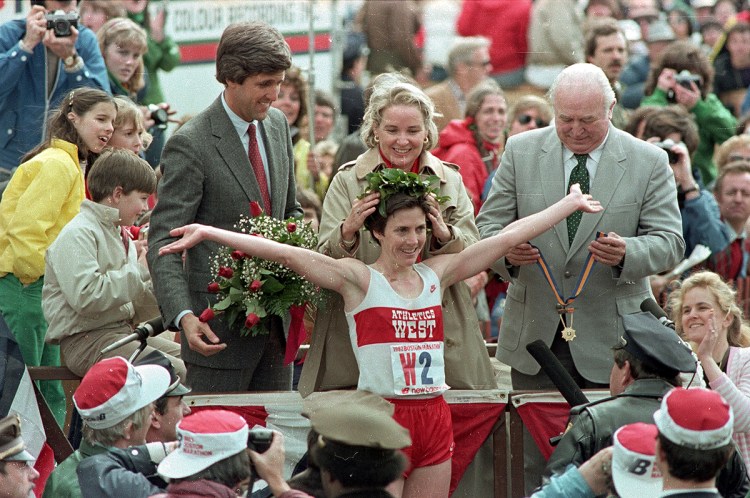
{"type": "Point", "coordinates": [63, 482]}
{"type": "Point", "coordinates": [715, 125]}
{"type": "Point", "coordinates": [164, 56]}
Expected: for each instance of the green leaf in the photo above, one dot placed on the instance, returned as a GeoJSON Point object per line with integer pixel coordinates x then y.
{"type": "Point", "coordinates": [232, 315]}
{"type": "Point", "coordinates": [223, 304]}
{"type": "Point", "coordinates": [272, 286]}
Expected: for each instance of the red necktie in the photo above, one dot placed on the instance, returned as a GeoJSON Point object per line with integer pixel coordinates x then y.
{"type": "Point", "coordinates": [256, 161]}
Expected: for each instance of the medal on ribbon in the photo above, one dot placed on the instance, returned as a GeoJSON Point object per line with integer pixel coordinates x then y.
{"type": "Point", "coordinates": [564, 306]}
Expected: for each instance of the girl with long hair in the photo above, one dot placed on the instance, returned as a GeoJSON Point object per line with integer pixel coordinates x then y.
{"type": "Point", "coordinates": [43, 195]}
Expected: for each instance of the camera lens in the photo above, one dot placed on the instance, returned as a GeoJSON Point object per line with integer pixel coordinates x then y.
{"type": "Point", "coordinates": [159, 115]}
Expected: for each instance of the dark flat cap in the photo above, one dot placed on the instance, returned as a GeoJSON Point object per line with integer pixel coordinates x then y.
{"type": "Point", "coordinates": [176, 388]}
{"type": "Point", "coordinates": [657, 346]}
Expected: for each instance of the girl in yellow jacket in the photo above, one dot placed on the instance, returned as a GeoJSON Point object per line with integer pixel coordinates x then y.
{"type": "Point", "coordinates": [43, 195]}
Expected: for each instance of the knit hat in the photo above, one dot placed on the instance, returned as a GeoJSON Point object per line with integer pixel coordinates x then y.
{"type": "Point", "coordinates": [634, 469]}
{"type": "Point", "coordinates": [113, 389]}
{"type": "Point", "coordinates": [205, 437]}
{"type": "Point", "coordinates": [695, 418]}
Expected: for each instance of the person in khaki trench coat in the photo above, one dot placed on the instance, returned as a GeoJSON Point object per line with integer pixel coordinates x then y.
{"type": "Point", "coordinates": [330, 363]}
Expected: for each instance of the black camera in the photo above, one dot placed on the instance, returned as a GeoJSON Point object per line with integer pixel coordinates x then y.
{"type": "Point", "coordinates": [60, 23]}
{"type": "Point", "coordinates": [159, 115]}
{"type": "Point", "coordinates": [667, 146]}
{"type": "Point", "coordinates": [259, 440]}
{"type": "Point", "coordinates": [685, 78]}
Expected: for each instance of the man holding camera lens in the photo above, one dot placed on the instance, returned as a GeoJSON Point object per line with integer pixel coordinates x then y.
{"type": "Point", "coordinates": [211, 459]}
{"type": "Point", "coordinates": [673, 129]}
{"type": "Point", "coordinates": [43, 58]}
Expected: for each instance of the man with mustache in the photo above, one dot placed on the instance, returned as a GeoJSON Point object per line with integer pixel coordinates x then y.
{"type": "Point", "coordinates": [605, 46]}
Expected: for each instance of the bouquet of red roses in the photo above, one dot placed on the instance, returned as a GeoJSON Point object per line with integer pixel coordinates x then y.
{"type": "Point", "coordinates": [252, 288]}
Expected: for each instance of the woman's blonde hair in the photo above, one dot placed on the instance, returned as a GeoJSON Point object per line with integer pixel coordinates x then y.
{"type": "Point", "coordinates": [125, 33]}
{"type": "Point", "coordinates": [738, 332]}
{"type": "Point", "coordinates": [391, 89]}
{"type": "Point", "coordinates": [723, 154]}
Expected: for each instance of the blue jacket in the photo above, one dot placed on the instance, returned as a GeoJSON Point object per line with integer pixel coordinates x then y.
{"type": "Point", "coordinates": [569, 484]}
{"type": "Point", "coordinates": [701, 224]}
{"type": "Point", "coordinates": [23, 88]}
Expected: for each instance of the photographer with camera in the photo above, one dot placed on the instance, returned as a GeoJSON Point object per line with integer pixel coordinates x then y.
{"type": "Point", "coordinates": [43, 58]}
{"type": "Point", "coordinates": [674, 130]}
{"type": "Point", "coordinates": [212, 457]}
{"type": "Point", "coordinates": [684, 76]}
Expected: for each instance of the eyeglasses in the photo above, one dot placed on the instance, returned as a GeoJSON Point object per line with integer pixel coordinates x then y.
{"type": "Point", "coordinates": [525, 119]}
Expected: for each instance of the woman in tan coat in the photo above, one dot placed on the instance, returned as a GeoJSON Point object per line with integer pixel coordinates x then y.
{"type": "Point", "coordinates": [330, 363]}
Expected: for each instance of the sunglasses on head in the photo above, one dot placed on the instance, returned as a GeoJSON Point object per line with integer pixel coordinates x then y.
{"type": "Point", "coordinates": [525, 119]}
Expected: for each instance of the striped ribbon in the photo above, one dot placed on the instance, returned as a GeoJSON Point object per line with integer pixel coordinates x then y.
{"type": "Point", "coordinates": [565, 305]}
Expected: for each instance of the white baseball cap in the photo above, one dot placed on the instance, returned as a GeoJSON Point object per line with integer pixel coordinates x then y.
{"type": "Point", "coordinates": [205, 437]}
{"type": "Point", "coordinates": [634, 469]}
{"type": "Point", "coordinates": [114, 389]}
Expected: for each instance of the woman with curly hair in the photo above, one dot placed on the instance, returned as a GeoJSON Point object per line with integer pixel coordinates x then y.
{"type": "Point", "coordinates": [736, 148]}
{"type": "Point", "coordinates": [399, 131]}
{"type": "Point", "coordinates": [706, 314]}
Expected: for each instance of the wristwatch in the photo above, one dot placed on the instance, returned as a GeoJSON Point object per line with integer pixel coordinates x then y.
{"type": "Point", "coordinates": [694, 188]}
{"type": "Point", "coordinates": [71, 61]}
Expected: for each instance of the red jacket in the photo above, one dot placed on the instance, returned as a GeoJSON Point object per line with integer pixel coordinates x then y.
{"type": "Point", "coordinates": [505, 22]}
{"type": "Point", "coordinates": [456, 145]}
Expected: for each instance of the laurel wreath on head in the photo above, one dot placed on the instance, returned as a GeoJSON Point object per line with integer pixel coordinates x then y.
{"type": "Point", "coordinates": [389, 181]}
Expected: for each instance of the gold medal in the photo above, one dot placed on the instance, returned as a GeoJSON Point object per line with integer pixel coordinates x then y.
{"type": "Point", "coordinates": [568, 333]}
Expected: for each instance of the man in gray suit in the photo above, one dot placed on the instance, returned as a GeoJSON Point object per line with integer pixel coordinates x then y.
{"type": "Point", "coordinates": [213, 167]}
{"type": "Point", "coordinates": [640, 221]}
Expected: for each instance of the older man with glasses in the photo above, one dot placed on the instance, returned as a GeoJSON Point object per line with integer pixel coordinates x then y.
{"type": "Point", "coordinates": [468, 65]}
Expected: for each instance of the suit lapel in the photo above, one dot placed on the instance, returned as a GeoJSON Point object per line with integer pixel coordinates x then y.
{"type": "Point", "coordinates": [609, 173]}
{"type": "Point", "coordinates": [229, 147]}
{"type": "Point", "coordinates": [552, 177]}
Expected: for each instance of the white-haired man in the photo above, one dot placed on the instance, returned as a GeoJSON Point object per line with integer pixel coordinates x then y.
{"type": "Point", "coordinates": [640, 223]}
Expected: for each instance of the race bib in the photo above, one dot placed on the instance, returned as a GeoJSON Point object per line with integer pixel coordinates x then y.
{"type": "Point", "coordinates": [418, 368]}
